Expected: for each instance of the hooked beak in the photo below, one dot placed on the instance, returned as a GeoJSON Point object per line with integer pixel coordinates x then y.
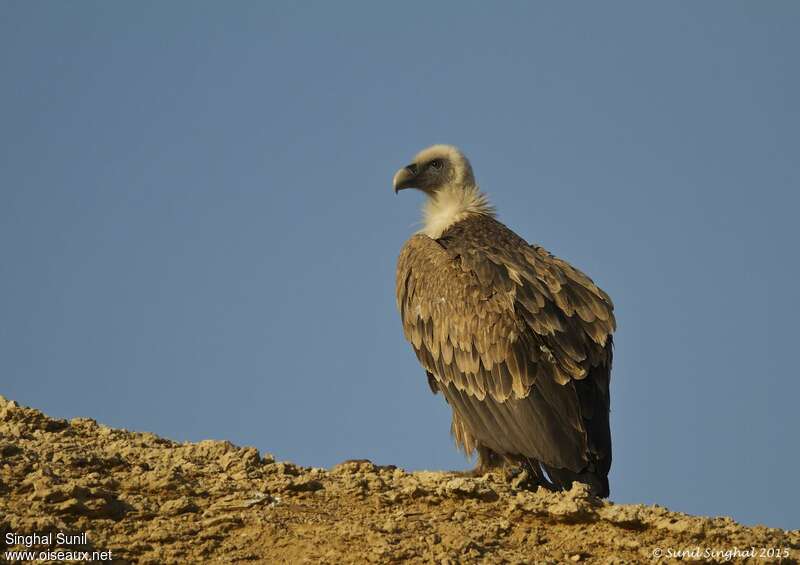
{"type": "Point", "coordinates": [405, 178]}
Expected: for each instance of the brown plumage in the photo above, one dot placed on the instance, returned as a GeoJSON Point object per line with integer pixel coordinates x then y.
{"type": "Point", "coordinates": [518, 341]}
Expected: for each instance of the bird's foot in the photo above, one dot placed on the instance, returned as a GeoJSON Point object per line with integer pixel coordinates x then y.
{"type": "Point", "coordinates": [477, 472]}
{"type": "Point", "coordinates": [522, 478]}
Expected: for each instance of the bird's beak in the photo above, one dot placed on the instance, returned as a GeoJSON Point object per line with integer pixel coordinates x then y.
{"type": "Point", "coordinates": [404, 178]}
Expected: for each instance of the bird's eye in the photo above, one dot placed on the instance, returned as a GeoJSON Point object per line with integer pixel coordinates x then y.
{"type": "Point", "coordinates": [436, 164]}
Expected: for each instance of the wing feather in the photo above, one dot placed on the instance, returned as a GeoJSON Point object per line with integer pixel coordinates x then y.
{"type": "Point", "coordinates": [497, 320]}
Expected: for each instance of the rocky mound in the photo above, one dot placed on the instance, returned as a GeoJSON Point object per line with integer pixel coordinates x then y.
{"type": "Point", "coordinates": [146, 499]}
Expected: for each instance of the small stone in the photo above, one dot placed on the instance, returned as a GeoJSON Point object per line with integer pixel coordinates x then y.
{"type": "Point", "coordinates": [390, 527]}
{"type": "Point", "coordinates": [182, 505]}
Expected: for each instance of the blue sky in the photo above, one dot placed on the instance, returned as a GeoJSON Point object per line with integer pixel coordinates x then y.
{"type": "Point", "coordinates": [198, 235]}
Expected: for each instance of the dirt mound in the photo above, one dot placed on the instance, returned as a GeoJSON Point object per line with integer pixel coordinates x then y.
{"type": "Point", "coordinates": [146, 499]}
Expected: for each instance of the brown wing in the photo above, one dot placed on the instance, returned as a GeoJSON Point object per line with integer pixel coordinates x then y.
{"type": "Point", "coordinates": [518, 340]}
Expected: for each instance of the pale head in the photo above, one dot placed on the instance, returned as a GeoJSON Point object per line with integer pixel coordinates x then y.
{"type": "Point", "coordinates": [444, 174]}
{"type": "Point", "coordinates": [436, 167]}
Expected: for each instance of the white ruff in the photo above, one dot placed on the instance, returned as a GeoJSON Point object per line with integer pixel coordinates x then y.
{"type": "Point", "coordinates": [451, 205]}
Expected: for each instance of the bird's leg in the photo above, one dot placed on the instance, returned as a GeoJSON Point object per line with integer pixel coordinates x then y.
{"type": "Point", "coordinates": [488, 461]}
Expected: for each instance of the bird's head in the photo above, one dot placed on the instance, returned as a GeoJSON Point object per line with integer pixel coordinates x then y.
{"type": "Point", "coordinates": [434, 168]}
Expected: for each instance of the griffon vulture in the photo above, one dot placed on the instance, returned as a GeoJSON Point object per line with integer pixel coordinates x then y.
{"type": "Point", "coordinates": [518, 341]}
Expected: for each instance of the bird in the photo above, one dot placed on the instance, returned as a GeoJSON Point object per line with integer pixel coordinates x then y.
{"type": "Point", "coordinates": [518, 341]}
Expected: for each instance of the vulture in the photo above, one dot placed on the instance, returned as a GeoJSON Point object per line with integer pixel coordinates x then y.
{"type": "Point", "coordinates": [518, 341]}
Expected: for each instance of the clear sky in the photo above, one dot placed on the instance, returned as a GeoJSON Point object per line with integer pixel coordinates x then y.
{"type": "Point", "coordinates": [198, 235]}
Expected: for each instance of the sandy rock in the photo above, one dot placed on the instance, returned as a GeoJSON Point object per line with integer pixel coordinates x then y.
{"type": "Point", "coordinates": [151, 500]}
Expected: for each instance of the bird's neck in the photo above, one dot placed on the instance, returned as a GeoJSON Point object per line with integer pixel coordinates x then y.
{"type": "Point", "coordinates": [450, 205]}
